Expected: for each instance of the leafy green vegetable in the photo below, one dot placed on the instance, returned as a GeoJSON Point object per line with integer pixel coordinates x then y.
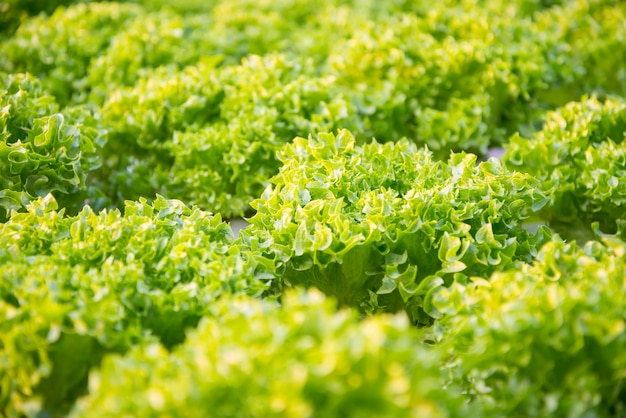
{"type": "Point", "coordinates": [595, 33]}
{"type": "Point", "coordinates": [200, 101]}
{"type": "Point", "coordinates": [58, 48]}
{"type": "Point", "coordinates": [548, 339]}
{"type": "Point", "coordinates": [301, 359]}
{"type": "Point", "coordinates": [580, 156]}
{"type": "Point", "coordinates": [103, 282]}
{"type": "Point", "coordinates": [42, 150]}
{"type": "Point", "coordinates": [209, 136]}
{"type": "Point", "coordinates": [383, 226]}
{"type": "Point", "coordinates": [150, 41]}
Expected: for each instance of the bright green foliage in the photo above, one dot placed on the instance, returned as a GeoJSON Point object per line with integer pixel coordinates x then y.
{"type": "Point", "coordinates": [239, 28]}
{"type": "Point", "coordinates": [255, 359]}
{"type": "Point", "coordinates": [383, 226]}
{"type": "Point", "coordinates": [452, 75]}
{"type": "Point", "coordinates": [58, 48]}
{"type": "Point", "coordinates": [548, 339]}
{"type": "Point", "coordinates": [209, 137]}
{"type": "Point", "coordinates": [14, 12]}
{"type": "Point", "coordinates": [462, 78]}
{"type": "Point", "coordinates": [250, 27]}
{"type": "Point", "coordinates": [466, 75]}
{"type": "Point", "coordinates": [145, 116]}
{"type": "Point", "coordinates": [141, 123]}
{"type": "Point", "coordinates": [580, 156]}
{"type": "Point", "coordinates": [596, 34]}
{"type": "Point", "coordinates": [41, 150]}
{"type": "Point", "coordinates": [73, 288]}
{"type": "Point", "coordinates": [150, 41]}
{"type": "Point", "coordinates": [182, 6]}
{"type": "Point", "coordinates": [266, 102]}
{"type": "Point", "coordinates": [200, 101]}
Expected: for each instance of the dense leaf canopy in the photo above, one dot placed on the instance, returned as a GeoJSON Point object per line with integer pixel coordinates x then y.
{"type": "Point", "coordinates": [435, 198]}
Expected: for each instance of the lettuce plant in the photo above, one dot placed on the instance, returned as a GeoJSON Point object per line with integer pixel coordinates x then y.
{"type": "Point", "coordinates": [41, 149]}
{"type": "Point", "coordinates": [209, 136]}
{"type": "Point", "coordinates": [303, 358]}
{"type": "Point", "coordinates": [547, 339]}
{"type": "Point", "coordinates": [595, 33]}
{"type": "Point", "coordinates": [74, 288]}
{"type": "Point", "coordinates": [266, 102]}
{"type": "Point", "coordinates": [59, 48]}
{"type": "Point", "coordinates": [150, 41]}
{"type": "Point", "coordinates": [382, 226]}
{"type": "Point", "coordinates": [580, 157]}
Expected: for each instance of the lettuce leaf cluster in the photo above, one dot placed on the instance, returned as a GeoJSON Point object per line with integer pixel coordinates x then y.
{"type": "Point", "coordinates": [253, 358]}
{"type": "Point", "coordinates": [547, 339]}
{"type": "Point", "coordinates": [390, 267]}
{"type": "Point", "coordinates": [580, 157]}
{"type": "Point", "coordinates": [73, 288]}
{"type": "Point", "coordinates": [43, 149]}
{"type": "Point", "coordinates": [382, 226]}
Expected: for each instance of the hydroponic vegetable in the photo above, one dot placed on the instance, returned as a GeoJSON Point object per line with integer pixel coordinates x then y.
{"type": "Point", "coordinates": [150, 41]}
{"type": "Point", "coordinates": [41, 149]}
{"type": "Point", "coordinates": [548, 339]}
{"type": "Point", "coordinates": [596, 35]}
{"type": "Point", "coordinates": [221, 128]}
{"type": "Point", "coordinates": [447, 80]}
{"type": "Point", "coordinates": [74, 288]}
{"type": "Point", "coordinates": [580, 156]}
{"type": "Point", "coordinates": [130, 129]}
{"type": "Point", "coordinates": [383, 225]}
{"type": "Point", "coordinates": [58, 48]}
{"type": "Point", "coordinates": [300, 359]}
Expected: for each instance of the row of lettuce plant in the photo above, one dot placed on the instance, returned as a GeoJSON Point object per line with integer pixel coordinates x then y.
{"type": "Point", "coordinates": [448, 292]}
{"type": "Point", "coordinates": [173, 92]}
{"type": "Point", "coordinates": [529, 342]}
{"type": "Point", "coordinates": [73, 288]}
{"type": "Point", "coordinates": [379, 227]}
{"type": "Point", "coordinates": [536, 339]}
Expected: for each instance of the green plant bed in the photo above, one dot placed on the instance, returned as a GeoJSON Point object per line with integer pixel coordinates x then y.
{"type": "Point", "coordinates": [292, 208]}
